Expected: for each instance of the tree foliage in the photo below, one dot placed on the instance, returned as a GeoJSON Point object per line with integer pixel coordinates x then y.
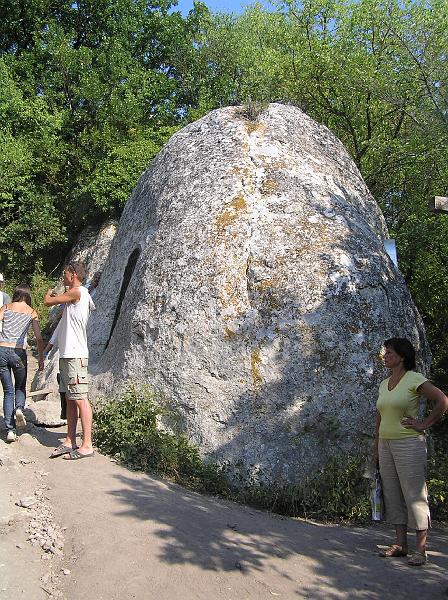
{"type": "Point", "coordinates": [89, 94]}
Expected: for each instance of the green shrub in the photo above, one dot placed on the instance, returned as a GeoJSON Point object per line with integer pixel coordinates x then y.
{"type": "Point", "coordinates": [438, 471]}
{"type": "Point", "coordinates": [40, 283]}
{"type": "Point", "coordinates": [129, 429]}
{"type": "Point", "coordinates": [337, 492]}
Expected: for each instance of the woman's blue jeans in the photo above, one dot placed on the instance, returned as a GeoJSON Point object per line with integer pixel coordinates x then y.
{"type": "Point", "coordinates": [12, 360]}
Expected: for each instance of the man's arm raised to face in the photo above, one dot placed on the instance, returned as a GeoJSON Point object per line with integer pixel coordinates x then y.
{"type": "Point", "coordinates": [71, 295]}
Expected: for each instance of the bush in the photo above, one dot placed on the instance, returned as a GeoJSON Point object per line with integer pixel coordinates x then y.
{"type": "Point", "coordinates": [338, 492]}
{"type": "Point", "coordinates": [438, 472]}
{"type": "Point", "coordinates": [129, 429]}
{"type": "Point", "coordinates": [40, 283]}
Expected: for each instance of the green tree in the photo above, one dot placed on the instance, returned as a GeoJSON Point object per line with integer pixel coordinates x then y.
{"type": "Point", "coordinates": [100, 94]}
{"type": "Point", "coordinates": [29, 137]}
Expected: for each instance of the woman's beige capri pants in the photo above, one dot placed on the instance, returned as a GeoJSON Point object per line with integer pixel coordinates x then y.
{"type": "Point", "coordinates": [403, 474]}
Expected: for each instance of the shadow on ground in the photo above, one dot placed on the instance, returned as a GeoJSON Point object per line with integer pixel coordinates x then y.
{"type": "Point", "coordinates": [222, 536]}
{"type": "Point", "coordinates": [49, 437]}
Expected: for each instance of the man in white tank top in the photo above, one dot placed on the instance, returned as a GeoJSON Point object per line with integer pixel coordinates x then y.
{"type": "Point", "coordinates": [73, 359]}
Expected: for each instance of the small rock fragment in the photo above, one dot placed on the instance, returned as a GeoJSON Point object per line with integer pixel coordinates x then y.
{"type": "Point", "coordinates": [26, 502]}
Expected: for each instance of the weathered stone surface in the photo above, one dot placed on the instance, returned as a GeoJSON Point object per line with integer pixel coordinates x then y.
{"type": "Point", "coordinates": [261, 292]}
{"type": "Point", "coordinates": [47, 379]}
{"type": "Point", "coordinates": [44, 413]}
{"type": "Point", "coordinates": [92, 247]}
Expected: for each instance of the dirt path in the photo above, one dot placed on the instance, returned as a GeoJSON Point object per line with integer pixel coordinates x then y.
{"type": "Point", "coordinates": [128, 535]}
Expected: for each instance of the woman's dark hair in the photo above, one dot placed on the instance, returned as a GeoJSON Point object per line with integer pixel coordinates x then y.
{"type": "Point", "coordinates": [403, 348]}
{"type": "Point", "coordinates": [22, 293]}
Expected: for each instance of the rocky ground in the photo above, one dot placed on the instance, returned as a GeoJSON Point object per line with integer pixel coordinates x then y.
{"type": "Point", "coordinates": [32, 542]}
{"type": "Point", "coordinates": [94, 529]}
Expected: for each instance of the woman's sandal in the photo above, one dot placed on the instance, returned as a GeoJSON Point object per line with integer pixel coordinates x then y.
{"type": "Point", "coordinates": [393, 551]}
{"type": "Point", "coordinates": [417, 559]}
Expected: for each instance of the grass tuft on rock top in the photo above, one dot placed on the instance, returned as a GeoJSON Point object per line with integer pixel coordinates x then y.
{"type": "Point", "coordinates": [130, 429]}
{"type": "Point", "coordinates": [252, 109]}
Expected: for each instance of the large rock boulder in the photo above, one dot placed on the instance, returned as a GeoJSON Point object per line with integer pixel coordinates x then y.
{"type": "Point", "coordinates": [92, 247]}
{"type": "Point", "coordinates": [46, 380]}
{"type": "Point", "coordinates": [249, 284]}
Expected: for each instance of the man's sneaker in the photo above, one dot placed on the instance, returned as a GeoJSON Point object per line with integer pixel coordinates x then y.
{"type": "Point", "coordinates": [11, 436]}
{"type": "Point", "coordinates": [20, 419]}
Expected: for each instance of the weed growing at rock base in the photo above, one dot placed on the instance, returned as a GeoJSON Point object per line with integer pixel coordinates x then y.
{"type": "Point", "coordinates": [130, 430]}
{"type": "Point", "coordinates": [438, 471]}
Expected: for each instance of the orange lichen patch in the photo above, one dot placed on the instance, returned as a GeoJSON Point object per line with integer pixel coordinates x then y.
{"type": "Point", "coordinates": [246, 176]}
{"type": "Point", "coordinates": [255, 362]}
{"type": "Point", "coordinates": [268, 285]}
{"type": "Point", "coordinates": [265, 284]}
{"type": "Point", "coordinates": [229, 295]}
{"type": "Point", "coordinates": [230, 213]}
{"type": "Point", "coordinates": [252, 126]}
{"type": "Point", "coordinates": [268, 187]}
{"type": "Point", "coordinates": [275, 164]}
{"type": "Point", "coordinates": [228, 333]}
{"type": "Point", "coordinates": [231, 284]}
{"type": "Point", "coordinates": [240, 171]}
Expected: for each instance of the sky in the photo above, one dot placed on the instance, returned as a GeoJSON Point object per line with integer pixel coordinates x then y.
{"type": "Point", "coordinates": [236, 6]}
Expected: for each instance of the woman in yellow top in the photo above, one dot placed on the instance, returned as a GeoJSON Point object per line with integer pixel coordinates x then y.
{"type": "Point", "coordinates": [400, 446]}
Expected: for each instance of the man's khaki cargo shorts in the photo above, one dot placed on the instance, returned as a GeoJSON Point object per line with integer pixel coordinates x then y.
{"type": "Point", "coordinates": [74, 380]}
